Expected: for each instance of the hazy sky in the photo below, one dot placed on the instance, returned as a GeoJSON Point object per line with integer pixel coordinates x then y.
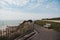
{"type": "Point", "coordinates": [29, 9]}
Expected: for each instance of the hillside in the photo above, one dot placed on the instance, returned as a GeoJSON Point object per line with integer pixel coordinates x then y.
{"type": "Point", "coordinates": [54, 25]}
{"type": "Point", "coordinates": [58, 18]}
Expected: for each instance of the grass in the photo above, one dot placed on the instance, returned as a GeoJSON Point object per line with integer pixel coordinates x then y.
{"type": "Point", "coordinates": [20, 31]}
{"type": "Point", "coordinates": [54, 25]}
{"type": "Point", "coordinates": [58, 18]}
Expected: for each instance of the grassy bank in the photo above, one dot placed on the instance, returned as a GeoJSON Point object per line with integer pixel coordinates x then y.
{"type": "Point", "coordinates": [54, 25]}
{"type": "Point", "coordinates": [58, 18]}
{"type": "Point", "coordinates": [20, 31]}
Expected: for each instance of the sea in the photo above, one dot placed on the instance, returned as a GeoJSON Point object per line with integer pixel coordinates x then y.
{"type": "Point", "coordinates": [5, 23]}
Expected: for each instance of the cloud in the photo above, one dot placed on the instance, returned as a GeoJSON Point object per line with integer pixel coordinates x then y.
{"type": "Point", "coordinates": [14, 15]}
{"type": "Point", "coordinates": [12, 3]}
{"type": "Point", "coordinates": [30, 5]}
{"type": "Point", "coordinates": [10, 15]}
{"type": "Point", "coordinates": [28, 9]}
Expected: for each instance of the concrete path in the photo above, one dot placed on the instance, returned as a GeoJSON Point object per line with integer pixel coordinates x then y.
{"type": "Point", "coordinates": [58, 21]}
{"type": "Point", "coordinates": [45, 34]}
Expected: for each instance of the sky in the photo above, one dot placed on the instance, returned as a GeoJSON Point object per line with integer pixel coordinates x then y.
{"type": "Point", "coordinates": [29, 9]}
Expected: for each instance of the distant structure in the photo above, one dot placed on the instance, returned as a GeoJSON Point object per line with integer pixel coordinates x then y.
{"type": "Point", "coordinates": [47, 25]}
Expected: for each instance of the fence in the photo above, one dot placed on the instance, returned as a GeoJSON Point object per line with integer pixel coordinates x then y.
{"type": "Point", "coordinates": [11, 32]}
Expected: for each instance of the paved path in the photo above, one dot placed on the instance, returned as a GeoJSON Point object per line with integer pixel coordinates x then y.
{"type": "Point", "coordinates": [45, 34]}
{"type": "Point", "coordinates": [58, 21]}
